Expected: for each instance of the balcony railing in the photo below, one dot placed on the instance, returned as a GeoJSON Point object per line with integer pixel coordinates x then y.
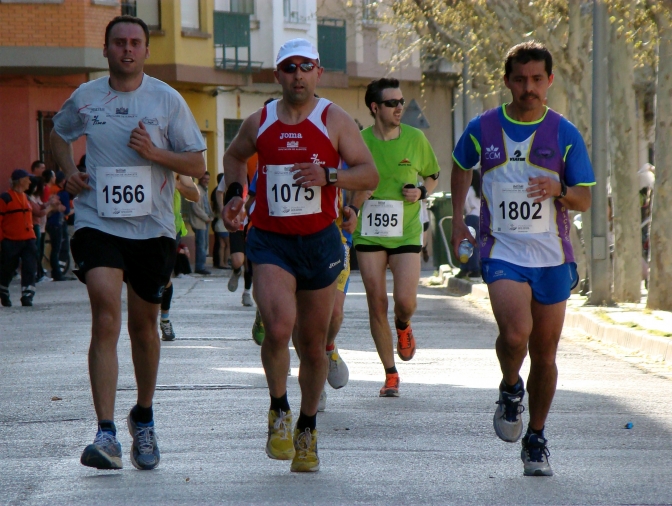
{"type": "Point", "coordinates": [232, 42]}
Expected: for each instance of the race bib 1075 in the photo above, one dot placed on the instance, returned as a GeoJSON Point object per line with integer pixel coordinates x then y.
{"type": "Point", "coordinates": [286, 197]}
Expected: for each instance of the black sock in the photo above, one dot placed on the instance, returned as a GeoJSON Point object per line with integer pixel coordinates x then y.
{"type": "Point", "coordinates": [531, 431]}
{"type": "Point", "coordinates": [142, 415]}
{"type": "Point", "coordinates": [107, 426]}
{"type": "Point", "coordinates": [401, 325]}
{"type": "Point", "coordinates": [280, 403]}
{"type": "Point", "coordinates": [391, 370]}
{"type": "Point", "coordinates": [166, 298]}
{"type": "Point", "coordinates": [513, 389]}
{"type": "Point", "coordinates": [306, 422]}
{"type": "Point", "coordinates": [237, 271]}
{"type": "Point", "coordinates": [247, 276]}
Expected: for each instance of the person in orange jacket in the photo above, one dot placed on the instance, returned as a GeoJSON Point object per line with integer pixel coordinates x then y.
{"type": "Point", "coordinates": [17, 239]}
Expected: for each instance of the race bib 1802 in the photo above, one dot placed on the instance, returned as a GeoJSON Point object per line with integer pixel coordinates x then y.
{"type": "Point", "coordinates": [514, 213]}
{"type": "Point", "coordinates": [383, 218]}
{"type": "Point", "coordinates": [286, 197]}
{"type": "Point", "coordinates": [124, 192]}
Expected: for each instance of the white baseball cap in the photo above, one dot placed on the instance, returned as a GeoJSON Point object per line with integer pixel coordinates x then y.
{"type": "Point", "coordinates": [297, 47]}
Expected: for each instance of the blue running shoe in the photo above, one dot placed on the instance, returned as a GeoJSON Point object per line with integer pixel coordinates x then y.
{"type": "Point", "coordinates": [104, 453]}
{"type": "Point", "coordinates": [535, 456]}
{"type": "Point", "coordinates": [145, 453]}
{"type": "Point", "coordinates": [507, 420]}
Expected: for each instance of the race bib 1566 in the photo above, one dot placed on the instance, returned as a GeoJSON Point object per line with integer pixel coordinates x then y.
{"type": "Point", "coordinates": [514, 213]}
{"type": "Point", "coordinates": [124, 192]}
{"type": "Point", "coordinates": [286, 197]}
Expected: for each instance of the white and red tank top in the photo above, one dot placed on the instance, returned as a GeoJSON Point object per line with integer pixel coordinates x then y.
{"type": "Point", "coordinates": [292, 210]}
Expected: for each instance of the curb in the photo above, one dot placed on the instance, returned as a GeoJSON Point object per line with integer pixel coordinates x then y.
{"type": "Point", "coordinates": [656, 347]}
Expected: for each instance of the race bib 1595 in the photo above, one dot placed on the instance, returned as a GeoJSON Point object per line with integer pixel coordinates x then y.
{"type": "Point", "coordinates": [383, 218]}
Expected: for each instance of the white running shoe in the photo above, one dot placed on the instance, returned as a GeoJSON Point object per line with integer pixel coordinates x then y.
{"type": "Point", "coordinates": [247, 299]}
{"type": "Point", "coordinates": [323, 401]}
{"type": "Point", "coordinates": [338, 371]}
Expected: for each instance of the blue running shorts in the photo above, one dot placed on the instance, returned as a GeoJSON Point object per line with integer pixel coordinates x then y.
{"type": "Point", "coordinates": [315, 260]}
{"type": "Point", "coordinates": [550, 285]}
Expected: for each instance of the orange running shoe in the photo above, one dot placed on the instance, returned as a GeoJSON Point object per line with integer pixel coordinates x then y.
{"type": "Point", "coordinates": [391, 386]}
{"type": "Point", "coordinates": [405, 343]}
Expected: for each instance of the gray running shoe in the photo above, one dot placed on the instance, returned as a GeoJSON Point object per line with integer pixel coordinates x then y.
{"type": "Point", "coordinates": [167, 333]}
{"type": "Point", "coordinates": [233, 280]}
{"type": "Point", "coordinates": [535, 456]}
{"type": "Point", "coordinates": [338, 372]}
{"type": "Point", "coordinates": [323, 401]}
{"type": "Point", "coordinates": [507, 421]}
{"type": "Point", "coordinates": [104, 453]}
{"type": "Point", "coordinates": [247, 299]}
{"type": "Point", "coordinates": [145, 453]}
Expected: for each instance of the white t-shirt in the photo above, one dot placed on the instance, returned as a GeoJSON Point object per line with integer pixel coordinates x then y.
{"type": "Point", "coordinates": [472, 205]}
{"type": "Point", "coordinates": [107, 118]}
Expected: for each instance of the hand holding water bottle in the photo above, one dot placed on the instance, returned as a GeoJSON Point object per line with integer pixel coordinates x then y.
{"type": "Point", "coordinates": [466, 249]}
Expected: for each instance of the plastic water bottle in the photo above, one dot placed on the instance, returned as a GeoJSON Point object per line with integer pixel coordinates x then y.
{"type": "Point", "coordinates": [466, 249]}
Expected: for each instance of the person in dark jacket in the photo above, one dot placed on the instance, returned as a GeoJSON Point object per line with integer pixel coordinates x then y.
{"type": "Point", "coordinates": [17, 239]}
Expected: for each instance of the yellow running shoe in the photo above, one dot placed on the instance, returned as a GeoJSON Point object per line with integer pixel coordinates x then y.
{"type": "Point", "coordinates": [306, 459]}
{"type": "Point", "coordinates": [280, 445]}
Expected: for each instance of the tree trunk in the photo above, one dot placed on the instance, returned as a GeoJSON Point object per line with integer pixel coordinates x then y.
{"type": "Point", "coordinates": [660, 280]}
{"type": "Point", "coordinates": [623, 147]}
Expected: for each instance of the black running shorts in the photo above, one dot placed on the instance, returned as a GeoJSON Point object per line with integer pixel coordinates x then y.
{"type": "Point", "coordinates": [147, 263]}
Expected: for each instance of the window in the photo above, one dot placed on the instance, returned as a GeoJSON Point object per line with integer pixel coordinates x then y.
{"type": "Point", "coordinates": [238, 6]}
{"type": "Point", "coordinates": [147, 10]}
{"type": "Point", "coordinates": [129, 8]}
{"type": "Point", "coordinates": [369, 11]}
{"type": "Point", "coordinates": [331, 44]}
{"type": "Point", "coordinates": [191, 14]}
{"type": "Point", "coordinates": [231, 127]}
{"type": "Point", "coordinates": [294, 11]}
{"type": "Point", "coordinates": [45, 124]}
{"type": "Point", "coordinates": [150, 12]}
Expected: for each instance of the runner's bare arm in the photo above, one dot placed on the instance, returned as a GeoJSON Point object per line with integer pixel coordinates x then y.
{"type": "Point", "coordinates": [578, 198]}
{"type": "Point", "coordinates": [362, 173]}
{"type": "Point", "coordinates": [62, 151]}
{"type": "Point", "coordinates": [460, 180]}
{"type": "Point", "coordinates": [187, 188]}
{"type": "Point", "coordinates": [243, 146]}
{"type": "Point", "coordinates": [188, 163]}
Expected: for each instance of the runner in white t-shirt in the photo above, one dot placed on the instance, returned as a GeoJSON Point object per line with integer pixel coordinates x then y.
{"type": "Point", "coordinates": [139, 132]}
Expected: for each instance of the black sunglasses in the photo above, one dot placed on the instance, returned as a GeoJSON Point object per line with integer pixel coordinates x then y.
{"type": "Point", "coordinates": [290, 68]}
{"type": "Point", "coordinates": [394, 102]}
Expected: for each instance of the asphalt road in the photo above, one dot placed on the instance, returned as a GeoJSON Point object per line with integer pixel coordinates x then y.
{"type": "Point", "coordinates": [433, 445]}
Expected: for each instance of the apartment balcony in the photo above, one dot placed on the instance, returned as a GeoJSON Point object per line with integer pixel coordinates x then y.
{"type": "Point", "coordinates": [232, 43]}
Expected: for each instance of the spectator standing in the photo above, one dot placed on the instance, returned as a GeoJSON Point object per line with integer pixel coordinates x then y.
{"type": "Point", "coordinates": [40, 212]}
{"type": "Point", "coordinates": [17, 239]}
{"type": "Point", "coordinates": [221, 248]}
{"type": "Point", "coordinates": [55, 226]}
{"type": "Point", "coordinates": [200, 217]}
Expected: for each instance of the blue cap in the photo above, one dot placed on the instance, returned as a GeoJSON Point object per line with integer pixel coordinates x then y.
{"type": "Point", "coordinates": [19, 174]}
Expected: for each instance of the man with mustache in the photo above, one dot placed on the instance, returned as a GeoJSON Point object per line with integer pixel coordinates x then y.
{"type": "Point", "coordinates": [534, 169]}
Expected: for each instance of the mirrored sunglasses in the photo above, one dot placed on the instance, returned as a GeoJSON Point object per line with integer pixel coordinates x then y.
{"type": "Point", "coordinates": [290, 68]}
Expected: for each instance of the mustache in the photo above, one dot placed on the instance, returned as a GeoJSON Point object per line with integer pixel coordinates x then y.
{"type": "Point", "coordinates": [529, 95]}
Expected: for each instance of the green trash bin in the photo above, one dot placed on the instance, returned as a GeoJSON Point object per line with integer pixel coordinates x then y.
{"type": "Point", "coordinates": [441, 206]}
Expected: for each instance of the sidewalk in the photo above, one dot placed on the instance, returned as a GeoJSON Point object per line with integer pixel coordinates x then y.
{"type": "Point", "coordinates": [631, 326]}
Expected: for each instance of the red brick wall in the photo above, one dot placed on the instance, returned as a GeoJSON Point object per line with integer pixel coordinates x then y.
{"type": "Point", "coordinates": [74, 23]}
